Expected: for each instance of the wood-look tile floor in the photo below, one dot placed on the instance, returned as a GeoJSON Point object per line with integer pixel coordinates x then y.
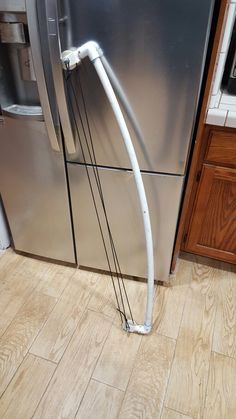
{"type": "Point", "coordinates": [63, 353]}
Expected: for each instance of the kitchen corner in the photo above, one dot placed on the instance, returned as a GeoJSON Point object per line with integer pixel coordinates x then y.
{"type": "Point", "coordinates": [221, 108]}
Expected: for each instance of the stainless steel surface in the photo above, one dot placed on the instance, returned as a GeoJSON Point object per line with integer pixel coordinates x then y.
{"type": "Point", "coordinates": [12, 33]}
{"type": "Point", "coordinates": [24, 112]}
{"type": "Point", "coordinates": [52, 128]}
{"type": "Point", "coordinates": [12, 17]}
{"type": "Point", "coordinates": [7, 85]}
{"type": "Point", "coordinates": [12, 5]}
{"type": "Point", "coordinates": [163, 194]}
{"type": "Point", "coordinates": [26, 64]}
{"type": "Point", "coordinates": [156, 49]}
{"type": "Point", "coordinates": [13, 88]}
{"type": "Point", "coordinates": [4, 233]}
{"type": "Point", "coordinates": [34, 191]}
{"type": "Point", "coordinates": [55, 53]}
{"type": "Point", "coordinates": [24, 92]}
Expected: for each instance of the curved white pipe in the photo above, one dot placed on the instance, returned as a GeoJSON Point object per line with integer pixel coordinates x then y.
{"type": "Point", "coordinates": [139, 183]}
{"type": "Point", "coordinates": [93, 51]}
{"type": "Point", "coordinates": [122, 96]}
{"type": "Point", "coordinates": [119, 91]}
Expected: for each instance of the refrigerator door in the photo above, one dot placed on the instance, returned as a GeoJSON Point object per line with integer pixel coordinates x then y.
{"type": "Point", "coordinates": [163, 194]}
{"type": "Point", "coordinates": [157, 50]}
{"type": "Point", "coordinates": [34, 190]}
{"type": "Point", "coordinates": [33, 182]}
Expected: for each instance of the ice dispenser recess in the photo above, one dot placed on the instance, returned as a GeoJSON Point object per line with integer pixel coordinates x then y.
{"type": "Point", "coordinates": [18, 92]}
{"type": "Point", "coordinates": [12, 33]}
{"type": "Point", "coordinates": [26, 64]}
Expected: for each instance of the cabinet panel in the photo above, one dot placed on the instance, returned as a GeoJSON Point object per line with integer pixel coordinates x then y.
{"type": "Point", "coordinates": [222, 148]}
{"type": "Point", "coordinates": [213, 225]}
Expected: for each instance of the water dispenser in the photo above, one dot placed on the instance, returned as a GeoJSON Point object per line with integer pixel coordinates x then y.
{"type": "Point", "coordinates": [19, 93]}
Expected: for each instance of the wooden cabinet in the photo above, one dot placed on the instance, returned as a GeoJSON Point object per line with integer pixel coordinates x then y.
{"type": "Point", "coordinates": [221, 147]}
{"type": "Point", "coordinates": [212, 226]}
{"type": "Point", "coordinates": [208, 213]}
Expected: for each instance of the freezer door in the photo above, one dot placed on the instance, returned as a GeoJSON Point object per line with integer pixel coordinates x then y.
{"type": "Point", "coordinates": [163, 194]}
{"type": "Point", "coordinates": [157, 50]}
{"type": "Point", "coordinates": [34, 190]}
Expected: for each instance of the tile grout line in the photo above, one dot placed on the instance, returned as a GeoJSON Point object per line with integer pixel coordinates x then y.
{"type": "Point", "coordinates": [27, 353]}
{"type": "Point", "coordinates": [165, 336]}
{"type": "Point", "coordinates": [26, 300]}
{"type": "Point", "coordinates": [41, 357]}
{"type": "Point", "coordinates": [95, 363]}
{"type": "Point", "coordinates": [143, 337]}
{"type": "Point", "coordinates": [82, 313]}
{"type": "Point", "coordinates": [37, 405]}
{"type": "Point", "coordinates": [171, 367]}
{"type": "Point", "coordinates": [108, 385]}
{"type": "Point", "coordinates": [13, 376]}
{"type": "Point", "coordinates": [59, 296]}
{"type": "Point", "coordinates": [43, 323]}
{"type": "Point", "coordinates": [100, 312]}
{"type": "Point", "coordinates": [179, 412]}
{"type": "Point", "coordinates": [212, 340]}
{"type": "Point", "coordinates": [57, 301]}
{"type": "Point", "coordinates": [132, 370]}
{"type": "Point", "coordinates": [28, 350]}
{"type": "Point", "coordinates": [57, 365]}
{"type": "Point", "coordinates": [225, 356]}
{"type": "Point", "coordinates": [131, 373]}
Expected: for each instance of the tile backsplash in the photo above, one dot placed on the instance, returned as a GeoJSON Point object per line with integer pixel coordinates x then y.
{"type": "Point", "coordinates": [221, 108]}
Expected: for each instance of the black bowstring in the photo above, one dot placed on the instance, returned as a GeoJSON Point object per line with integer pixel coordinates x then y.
{"type": "Point", "coordinates": [122, 313]}
{"type": "Point", "coordinates": [67, 77]}
{"type": "Point", "coordinates": [98, 182]}
{"type": "Point", "coordinates": [115, 256]}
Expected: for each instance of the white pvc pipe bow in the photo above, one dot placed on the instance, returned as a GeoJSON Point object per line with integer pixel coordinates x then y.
{"type": "Point", "coordinates": [72, 58]}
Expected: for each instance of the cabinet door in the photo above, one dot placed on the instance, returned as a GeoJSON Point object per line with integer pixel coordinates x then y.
{"type": "Point", "coordinates": [213, 225]}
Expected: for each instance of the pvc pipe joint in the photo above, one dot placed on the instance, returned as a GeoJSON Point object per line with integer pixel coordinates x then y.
{"type": "Point", "coordinates": [72, 57]}
{"type": "Point", "coordinates": [91, 50]}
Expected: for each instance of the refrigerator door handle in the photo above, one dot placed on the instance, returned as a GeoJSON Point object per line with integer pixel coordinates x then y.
{"type": "Point", "coordinates": [55, 56]}
{"type": "Point", "coordinates": [39, 72]}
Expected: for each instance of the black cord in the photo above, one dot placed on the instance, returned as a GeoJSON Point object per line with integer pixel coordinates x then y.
{"type": "Point", "coordinates": [122, 313]}
{"type": "Point", "coordinates": [100, 191]}
{"type": "Point", "coordinates": [98, 181]}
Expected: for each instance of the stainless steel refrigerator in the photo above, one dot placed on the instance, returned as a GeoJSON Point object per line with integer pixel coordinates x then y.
{"type": "Point", "coordinates": [157, 51]}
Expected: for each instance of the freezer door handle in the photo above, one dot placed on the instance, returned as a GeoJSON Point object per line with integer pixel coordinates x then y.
{"type": "Point", "coordinates": [55, 56]}
{"type": "Point", "coordinates": [39, 73]}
